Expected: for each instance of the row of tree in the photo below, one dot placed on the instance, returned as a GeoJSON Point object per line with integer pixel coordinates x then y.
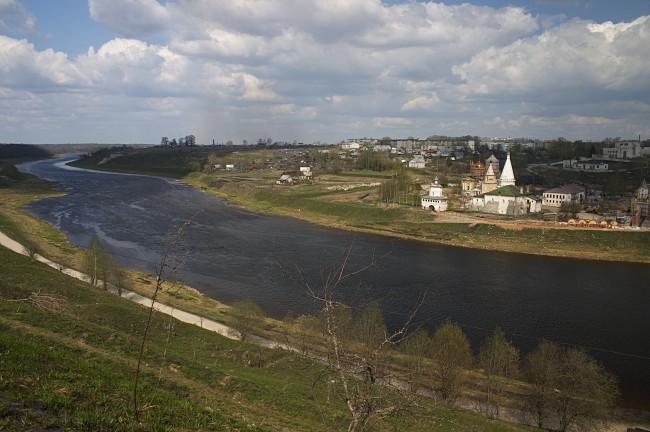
{"type": "Point", "coordinates": [186, 141]}
{"type": "Point", "coordinates": [565, 387]}
{"type": "Point", "coordinates": [400, 189]}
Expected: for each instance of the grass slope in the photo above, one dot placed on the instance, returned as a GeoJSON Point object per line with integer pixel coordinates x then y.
{"type": "Point", "coordinates": [72, 366]}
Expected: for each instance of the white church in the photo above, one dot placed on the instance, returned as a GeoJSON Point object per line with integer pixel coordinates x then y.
{"type": "Point", "coordinates": [505, 197]}
{"type": "Point", "coordinates": [435, 201]}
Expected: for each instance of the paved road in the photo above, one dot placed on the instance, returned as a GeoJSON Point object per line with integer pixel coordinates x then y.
{"type": "Point", "coordinates": [180, 315]}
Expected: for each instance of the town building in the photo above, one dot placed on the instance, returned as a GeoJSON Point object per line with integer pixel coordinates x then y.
{"type": "Point", "coordinates": [506, 200]}
{"type": "Point", "coordinates": [623, 150]}
{"type": "Point", "coordinates": [435, 201]}
{"type": "Point", "coordinates": [568, 193]}
{"type": "Point", "coordinates": [585, 164]}
{"type": "Point", "coordinates": [417, 162]}
{"type": "Point", "coordinates": [306, 173]}
{"type": "Point", "coordinates": [477, 170]}
{"type": "Point", "coordinates": [500, 195]}
{"type": "Point", "coordinates": [350, 146]}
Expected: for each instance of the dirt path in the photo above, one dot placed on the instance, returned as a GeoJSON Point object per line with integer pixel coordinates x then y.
{"type": "Point", "coordinates": [180, 315]}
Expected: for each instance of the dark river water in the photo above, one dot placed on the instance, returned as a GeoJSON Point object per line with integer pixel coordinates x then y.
{"type": "Point", "coordinates": [603, 307]}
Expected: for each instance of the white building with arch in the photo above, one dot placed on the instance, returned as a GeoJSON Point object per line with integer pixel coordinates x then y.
{"type": "Point", "coordinates": [435, 201]}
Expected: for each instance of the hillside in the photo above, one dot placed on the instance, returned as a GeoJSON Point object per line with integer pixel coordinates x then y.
{"type": "Point", "coordinates": [68, 354]}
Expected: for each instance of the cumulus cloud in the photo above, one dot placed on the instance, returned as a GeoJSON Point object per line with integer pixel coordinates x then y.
{"type": "Point", "coordinates": [576, 60]}
{"type": "Point", "coordinates": [137, 68]}
{"type": "Point", "coordinates": [14, 17]}
{"type": "Point", "coordinates": [325, 69]}
{"type": "Point", "coordinates": [24, 67]}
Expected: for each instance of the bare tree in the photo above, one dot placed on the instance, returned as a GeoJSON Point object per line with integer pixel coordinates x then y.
{"type": "Point", "coordinates": [542, 371]}
{"type": "Point", "coordinates": [31, 250]}
{"type": "Point", "coordinates": [499, 360]}
{"type": "Point", "coordinates": [416, 347]}
{"type": "Point", "coordinates": [586, 391]}
{"type": "Point", "coordinates": [118, 277]}
{"type": "Point", "coordinates": [368, 390]}
{"type": "Point", "coordinates": [95, 261]}
{"type": "Point", "coordinates": [172, 257]}
{"type": "Point", "coordinates": [452, 354]}
{"type": "Point", "coordinates": [247, 318]}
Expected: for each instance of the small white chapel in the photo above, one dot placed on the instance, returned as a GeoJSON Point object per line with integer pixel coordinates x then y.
{"type": "Point", "coordinates": [435, 201]}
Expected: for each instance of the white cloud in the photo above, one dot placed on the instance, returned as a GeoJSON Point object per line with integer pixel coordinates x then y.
{"type": "Point", "coordinates": [131, 18]}
{"type": "Point", "coordinates": [137, 68]}
{"type": "Point", "coordinates": [24, 67]}
{"type": "Point", "coordinates": [327, 69]}
{"type": "Point", "coordinates": [576, 60]}
{"type": "Point", "coordinates": [14, 17]}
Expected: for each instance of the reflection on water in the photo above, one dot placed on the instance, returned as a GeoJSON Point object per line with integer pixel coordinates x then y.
{"type": "Point", "coordinates": [233, 255]}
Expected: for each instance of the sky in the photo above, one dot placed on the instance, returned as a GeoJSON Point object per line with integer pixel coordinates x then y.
{"type": "Point", "coordinates": [133, 71]}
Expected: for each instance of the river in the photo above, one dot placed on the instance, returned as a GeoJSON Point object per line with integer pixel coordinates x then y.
{"type": "Point", "coordinates": [232, 254]}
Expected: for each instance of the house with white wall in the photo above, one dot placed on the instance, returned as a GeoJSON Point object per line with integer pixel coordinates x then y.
{"type": "Point", "coordinates": [571, 193]}
{"type": "Point", "coordinates": [506, 200]}
{"type": "Point", "coordinates": [435, 201]}
{"type": "Point", "coordinates": [417, 162]}
{"type": "Point", "coordinates": [623, 150]}
{"type": "Point", "coordinates": [350, 146]}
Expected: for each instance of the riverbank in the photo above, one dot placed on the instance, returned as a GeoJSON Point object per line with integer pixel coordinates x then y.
{"type": "Point", "coordinates": [509, 414]}
{"type": "Point", "coordinates": [195, 194]}
{"type": "Point", "coordinates": [344, 210]}
{"type": "Point", "coordinates": [350, 201]}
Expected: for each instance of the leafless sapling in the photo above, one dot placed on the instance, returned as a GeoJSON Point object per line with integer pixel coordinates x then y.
{"type": "Point", "coordinates": [357, 344]}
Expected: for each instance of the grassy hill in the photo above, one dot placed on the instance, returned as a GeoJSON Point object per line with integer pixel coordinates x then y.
{"type": "Point", "coordinates": [68, 355]}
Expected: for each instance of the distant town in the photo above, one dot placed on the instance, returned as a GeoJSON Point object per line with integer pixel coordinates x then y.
{"type": "Point", "coordinates": [595, 184]}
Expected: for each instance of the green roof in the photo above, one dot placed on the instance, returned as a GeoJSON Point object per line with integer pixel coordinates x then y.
{"type": "Point", "coordinates": [505, 191]}
{"type": "Point", "coordinates": [644, 184]}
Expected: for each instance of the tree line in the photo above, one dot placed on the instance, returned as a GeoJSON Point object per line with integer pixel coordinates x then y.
{"type": "Point", "coordinates": [186, 141]}
{"type": "Point", "coordinates": [564, 387]}
{"type": "Point", "coordinates": [400, 189]}
{"type": "Point", "coordinates": [561, 387]}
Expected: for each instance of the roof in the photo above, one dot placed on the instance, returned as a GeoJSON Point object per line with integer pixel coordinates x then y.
{"type": "Point", "coordinates": [508, 190]}
{"type": "Point", "coordinates": [644, 184]}
{"type": "Point", "coordinates": [566, 189]}
{"type": "Point", "coordinates": [507, 175]}
{"type": "Point", "coordinates": [492, 159]}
